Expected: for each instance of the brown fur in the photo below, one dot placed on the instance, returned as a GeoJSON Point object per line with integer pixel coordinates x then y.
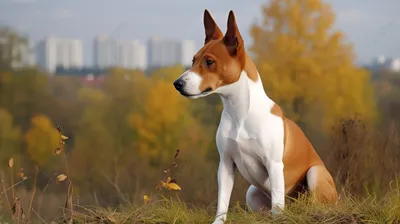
{"type": "Point", "coordinates": [299, 156]}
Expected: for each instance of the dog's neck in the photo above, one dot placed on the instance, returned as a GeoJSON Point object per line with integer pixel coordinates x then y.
{"type": "Point", "coordinates": [238, 98]}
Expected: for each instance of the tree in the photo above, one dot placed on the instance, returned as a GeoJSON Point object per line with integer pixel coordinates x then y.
{"type": "Point", "coordinates": [306, 66]}
{"type": "Point", "coordinates": [12, 47]}
{"type": "Point", "coordinates": [9, 136]}
{"type": "Point", "coordinates": [41, 140]}
{"type": "Point", "coordinates": [164, 127]}
{"type": "Point", "coordinates": [25, 93]}
{"type": "Point", "coordinates": [168, 74]}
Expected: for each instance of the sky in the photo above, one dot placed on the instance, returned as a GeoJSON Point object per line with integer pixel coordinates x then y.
{"type": "Point", "coordinates": [372, 26]}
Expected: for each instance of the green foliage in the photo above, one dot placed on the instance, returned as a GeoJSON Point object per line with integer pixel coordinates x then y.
{"type": "Point", "coordinates": [10, 136]}
{"type": "Point", "coordinates": [25, 93]}
{"type": "Point", "coordinates": [10, 48]}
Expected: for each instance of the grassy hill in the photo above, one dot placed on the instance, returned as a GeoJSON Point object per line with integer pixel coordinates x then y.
{"type": "Point", "coordinates": [348, 210]}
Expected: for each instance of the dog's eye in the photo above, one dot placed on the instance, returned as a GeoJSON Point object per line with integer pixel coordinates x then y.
{"type": "Point", "coordinates": [209, 62]}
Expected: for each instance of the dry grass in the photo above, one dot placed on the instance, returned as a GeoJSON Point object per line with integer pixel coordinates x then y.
{"type": "Point", "coordinates": [348, 210]}
{"type": "Point", "coordinates": [354, 158]}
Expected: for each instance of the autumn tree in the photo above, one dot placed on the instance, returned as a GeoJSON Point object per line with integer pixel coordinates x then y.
{"type": "Point", "coordinates": [168, 73]}
{"type": "Point", "coordinates": [103, 149]}
{"type": "Point", "coordinates": [10, 136]}
{"type": "Point", "coordinates": [306, 66]}
{"type": "Point", "coordinates": [41, 140]}
{"type": "Point", "coordinates": [25, 93]}
{"type": "Point", "coordinates": [166, 124]}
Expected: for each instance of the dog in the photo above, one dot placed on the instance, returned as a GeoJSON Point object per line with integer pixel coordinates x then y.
{"type": "Point", "coordinates": [270, 151]}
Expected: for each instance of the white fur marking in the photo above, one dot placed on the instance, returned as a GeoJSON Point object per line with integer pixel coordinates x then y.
{"type": "Point", "coordinates": [192, 82]}
{"type": "Point", "coordinates": [312, 178]}
{"type": "Point", "coordinates": [252, 138]}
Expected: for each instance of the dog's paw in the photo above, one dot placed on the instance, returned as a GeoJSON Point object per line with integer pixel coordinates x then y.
{"type": "Point", "coordinates": [276, 211]}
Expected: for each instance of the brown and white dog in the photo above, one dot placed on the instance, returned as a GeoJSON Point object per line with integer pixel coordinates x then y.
{"type": "Point", "coordinates": [254, 136]}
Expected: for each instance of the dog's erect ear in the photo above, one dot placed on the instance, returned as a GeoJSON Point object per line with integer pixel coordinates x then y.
{"type": "Point", "coordinates": [212, 30]}
{"type": "Point", "coordinates": [232, 39]}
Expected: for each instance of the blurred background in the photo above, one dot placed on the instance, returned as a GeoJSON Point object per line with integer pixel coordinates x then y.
{"type": "Point", "coordinates": [103, 71]}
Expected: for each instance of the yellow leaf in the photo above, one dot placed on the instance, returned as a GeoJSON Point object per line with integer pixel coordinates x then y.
{"type": "Point", "coordinates": [61, 178]}
{"type": "Point", "coordinates": [21, 175]}
{"type": "Point", "coordinates": [58, 151]}
{"type": "Point", "coordinates": [173, 186]}
{"type": "Point", "coordinates": [146, 199]}
{"type": "Point", "coordinates": [63, 137]}
{"type": "Point", "coordinates": [11, 162]}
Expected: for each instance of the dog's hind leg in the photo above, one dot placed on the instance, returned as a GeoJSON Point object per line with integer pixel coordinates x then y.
{"type": "Point", "coordinates": [320, 185]}
{"type": "Point", "coordinates": [257, 199]}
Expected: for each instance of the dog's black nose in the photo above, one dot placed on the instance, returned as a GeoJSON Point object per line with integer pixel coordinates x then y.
{"type": "Point", "coordinates": [179, 84]}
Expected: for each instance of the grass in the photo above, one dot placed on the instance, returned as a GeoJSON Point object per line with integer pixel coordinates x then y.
{"type": "Point", "coordinates": [348, 210]}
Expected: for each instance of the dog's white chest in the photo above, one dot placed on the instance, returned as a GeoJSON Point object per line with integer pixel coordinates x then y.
{"type": "Point", "coordinates": [248, 162]}
{"type": "Point", "coordinates": [250, 145]}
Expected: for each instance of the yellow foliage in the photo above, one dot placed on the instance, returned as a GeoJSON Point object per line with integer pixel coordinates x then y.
{"type": "Point", "coordinates": [165, 124]}
{"type": "Point", "coordinates": [41, 139]}
{"type": "Point", "coordinates": [146, 199]}
{"type": "Point", "coordinates": [168, 74]}
{"type": "Point", "coordinates": [60, 178]}
{"type": "Point", "coordinates": [155, 127]}
{"type": "Point", "coordinates": [171, 184]}
{"type": "Point", "coordinates": [11, 162]}
{"type": "Point", "coordinates": [308, 69]}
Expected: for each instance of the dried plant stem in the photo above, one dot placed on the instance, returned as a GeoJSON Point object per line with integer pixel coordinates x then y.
{"type": "Point", "coordinates": [40, 199]}
{"type": "Point", "coordinates": [16, 184]}
{"type": "Point", "coordinates": [68, 203]}
{"type": "Point", "coordinates": [39, 216]}
{"type": "Point", "coordinates": [66, 163]}
{"type": "Point", "coordinates": [33, 194]}
{"type": "Point", "coordinates": [4, 190]}
{"type": "Point", "coordinates": [115, 185]}
{"type": "Point", "coordinates": [158, 187]}
{"type": "Point", "coordinates": [12, 181]}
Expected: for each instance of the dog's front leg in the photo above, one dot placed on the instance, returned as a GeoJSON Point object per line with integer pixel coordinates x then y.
{"type": "Point", "coordinates": [225, 184]}
{"type": "Point", "coordinates": [276, 177]}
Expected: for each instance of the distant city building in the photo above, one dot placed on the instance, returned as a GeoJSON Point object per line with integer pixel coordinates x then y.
{"type": "Point", "coordinates": [127, 54]}
{"type": "Point", "coordinates": [163, 52]}
{"type": "Point", "coordinates": [188, 49]}
{"type": "Point", "coordinates": [132, 55]}
{"type": "Point", "coordinates": [55, 52]}
{"type": "Point", "coordinates": [382, 62]}
{"type": "Point", "coordinates": [395, 65]}
{"type": "Point", "coordinates": [105, 52]}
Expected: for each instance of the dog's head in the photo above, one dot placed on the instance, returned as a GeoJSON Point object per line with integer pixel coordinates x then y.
{"type": "Point", "coordinates": [218, 63]}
